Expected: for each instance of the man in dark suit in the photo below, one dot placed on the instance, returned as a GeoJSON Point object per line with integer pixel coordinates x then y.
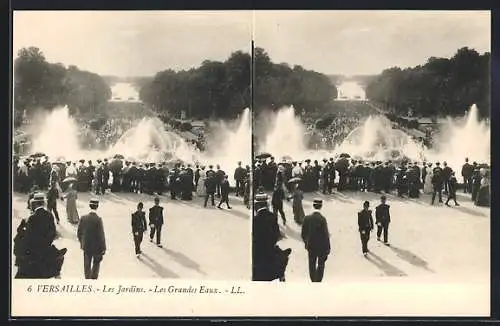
{"type": "Point", "coordinates": [317, 241]}
{"type": "Point", "coordinates": [467, 170]}
{"type": "Point", "coordinates": [382, 219]}
{"type": "Point", "coordinates": [239, 176]}
{"type": "Point", "coordinates": [139, 226]}
{"type": "Point", "coordinates": [452, 189]}
{"type": "Point", "coordinates": [210, 185]}
{"type": "Point", "coordinates": [36, 256]}
{"type": "Point", "coordinates": [446, 177]}
{"type": "Point", "coordinates": [52, 196]}
{"type": "Point", "coordinates": [277, 201]}
{"type": "Point", "coordinates": [156, 222]}
{"type": "Point", "coordinates": [224, 191]}
{"type": "Point", "coordinates": [437, 183]}
{"type": "Point", "coordinates": [365, 226]}
{"type": "Point", "coordinates": [92, 241]}
{"type": "Point", "coordinates": [219, 177]}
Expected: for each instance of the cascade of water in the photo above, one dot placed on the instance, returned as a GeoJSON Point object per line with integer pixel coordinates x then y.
{"type": "Point", "coordinates": [286, 135]}
{"type": "Point", "coordinates": [147, 141]}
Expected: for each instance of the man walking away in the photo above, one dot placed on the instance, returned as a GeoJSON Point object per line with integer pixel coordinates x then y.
{"type": "Point", "coordinates": [52, 196]}
{"type": "Point", "coordinates": [467, 170]}
{"type": "Point", "coordinates": [224, 191]}
{"type": "Point", "coordinates": [317, 241]}
{"type": "Point", "coordinates": [365, 225]}
{"type": "Point", "coordinates": [92, 241]}
{"type": "Point", "coordinates": [139, 226]}
{"type": "Point", "coordinates": [452, 190]}
{"type": "Point", "coordinates": [382, 219]}
{"type": "Point", "coordinates": [156, 222]}
{"type": "Point", "coordinates": [277, 202]}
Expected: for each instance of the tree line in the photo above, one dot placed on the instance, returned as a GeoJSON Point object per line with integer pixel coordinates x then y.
{"type": "Point", "coordinates": [223, 89]}
{"type": "Point", "coordinates": [441, 86]}
{"type": "Point", "coordinates": [276, 85]}
{"type": "Point", "coordinates": [213, 90]}
{"type": "Point", "coordinates": [39, 84]}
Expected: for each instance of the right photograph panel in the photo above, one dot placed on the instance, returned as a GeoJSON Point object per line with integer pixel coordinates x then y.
{"type": "Point", "coordinates": [371, 154]}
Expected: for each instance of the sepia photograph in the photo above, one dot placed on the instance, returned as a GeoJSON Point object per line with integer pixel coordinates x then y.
{"type": "Point", "coordinates": [372, 146]}
{"type": "Point", "coordinates": [131, 145]}
{"type": "Point", "coordinates": [214, 163]}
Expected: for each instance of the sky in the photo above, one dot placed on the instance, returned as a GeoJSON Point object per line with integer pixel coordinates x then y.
{"type": "Point", "coordinates": [367, 42]}
{"type": "Point", "coordinates": [132, 43]}
{"type": "Point", "coordinates": [138, 43]}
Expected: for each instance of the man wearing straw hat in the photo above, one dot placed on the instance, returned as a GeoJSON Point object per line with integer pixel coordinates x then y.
{"type": "Point", "coordinates": [92, 241]}
{"type": "Point", "coordinates": [36, 256]}
{"type": "Point", "coordinates": [317, 241]}
{"type": "Point", "coordinates": [268, 261]}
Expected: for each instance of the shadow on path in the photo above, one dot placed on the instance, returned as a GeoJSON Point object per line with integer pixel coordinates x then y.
{"type": "Point", "coordinates": [411, 258]}
{"type": "Point", "coordinates": [184, 260]}
{"type": "Point", "coordinates": [67, 232]}
{"type": "Point", "coordinates": [157, 268]}
{"type": "Point", "coordinates": [237, 213]}
{"type": "Point", "coordinates": [291, 233]}
{"type": "Point", "coordinates": [384, 266]}
{"type": "Point", "coordinates": [470, 211]}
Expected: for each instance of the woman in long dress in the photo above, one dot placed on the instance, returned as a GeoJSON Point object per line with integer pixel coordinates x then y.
{"type": "Point", "coordinates": [201, 190]}
{"type": "Point", "coordinates": [428, 180]}
{"type": "Point", "coordinates": [71, 211]}
{"type": "Point", "coordinates": [298, 209]}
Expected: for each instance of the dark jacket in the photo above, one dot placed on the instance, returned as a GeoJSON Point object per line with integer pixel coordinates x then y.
{"type": "Point", "coordinates": [139, 222]}
{"type": "Point", "coordinates": [91, 234]}
{"type": "Point", "coordinates": [156, 215]}
{"type": "Point", "coordinates": [40, 230]}
{"type": "Point", "coordinates": [266, 231]}
{"type": "Point", "coordinates": [315, 234]}
{"type": "Point", "coordinates": [365, 220]}
{"type": "Point", "coordinates": [382, 214]}
{"type": "Point", "coordinates": [224, 188]}
{"type": "Point", "coordinates": [278, 196]}
{"type": "Point", "coordinates": [52, 196]}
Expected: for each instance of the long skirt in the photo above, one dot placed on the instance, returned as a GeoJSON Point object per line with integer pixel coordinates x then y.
{"type": "Point", "coordinates": [71, 211]}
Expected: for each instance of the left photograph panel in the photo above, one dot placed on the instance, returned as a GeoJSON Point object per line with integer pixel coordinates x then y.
{"type": "Point", "coordinates": [131, 145]}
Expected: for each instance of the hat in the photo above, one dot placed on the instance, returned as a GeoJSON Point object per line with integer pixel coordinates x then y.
{"type": "Point", "coordinates": [38, 198]}
{"type": "Point", "coordinates": [94, 201]}
{"type": "Point", "coordinates": [308, 161]}
{"type": "Point", "coordinates": [82, 161]}
{"type": "Point", "coordinates": [317, 201]}
{"type": "Point", "coordinates": [261, 198]}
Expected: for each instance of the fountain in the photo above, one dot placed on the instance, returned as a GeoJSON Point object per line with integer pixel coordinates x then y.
{"type": "Point", "coordinates": [461, 138]}
{"type": "Point", "coordinates": [147, 141]}
{"type": "Point", "coordinates": [285, 136]}
{"type": "Point", "coordinates": [376, 139]}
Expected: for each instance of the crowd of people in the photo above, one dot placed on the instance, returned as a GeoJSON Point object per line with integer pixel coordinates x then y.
{"type": "Point", "coordinates": [289, 180]}
{"type": "Point", "coordinates": [406, 178]}
{"type": "Point", "coordinates": [47, 182]}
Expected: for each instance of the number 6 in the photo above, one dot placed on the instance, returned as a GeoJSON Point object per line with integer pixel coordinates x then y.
{"type": "Point", "coordinates": [29, 288]}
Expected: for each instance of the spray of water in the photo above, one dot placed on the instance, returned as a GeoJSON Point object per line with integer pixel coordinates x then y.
{"type": "Point", "coordinates": [377, 139]}
{"type": "Point", "coordinates": [286, 135]}
{"type": "Point", "coordinates": [147, 141]}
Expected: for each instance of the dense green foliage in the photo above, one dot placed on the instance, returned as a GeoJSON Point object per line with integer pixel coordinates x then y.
{"type": "Point", "coordinates": [41, 84]}
{"type": "Point", "coordinates": [276, 85]}
{"type": "Point", "coordinates": [223, 89]}
{"type": "Point", "coordinates": [440, 87]}
{"type": "Point", "coordinates": [215, 89]}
